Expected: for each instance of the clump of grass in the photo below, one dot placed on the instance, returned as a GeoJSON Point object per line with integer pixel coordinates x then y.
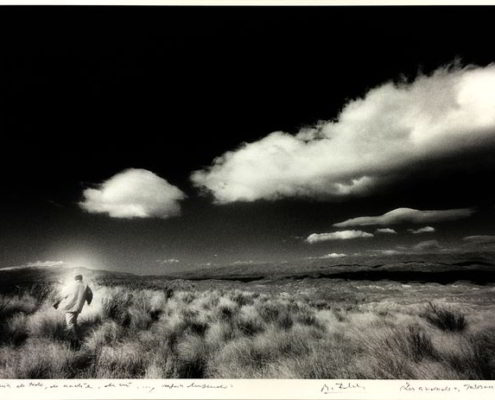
{"type": "Point", "coordinates": [309, 319]}
{"type": "Point", "coordinates": [10, 305]}
{"type": "Point", "coordinates": [219, 333]}
{"type": "Point", "coordinates": [194, 323]}
{"type": "Point", "coordinates": [326, 358]}
{"type": "Point", "coordinates": [107, 333]}
{"type": "Point", "coordinates": [247, 321]}
{"type": "Point", "coordinates": [38, 358]}
{"type": "Point", "coordinates": [47, 323]}
{"type": "Point", "coordinates": [116, 305]}
{"type": "Point", "coordinates": [17, 331]}
{"type": "Point", "coordinates": [444, 318]}
{"type": "Point", "coordinates": [192, 357]}
{"type": "Point", "coordinates": [241, 358]}
{"type": "Point", "coordinates": [162, 366]}
{"type": "Point", "coordinates": [186, 297]}
{"type": "Point", "coordinates": [471, 356]}
{"type": "Point", "coordinates": [269, 311]}
{"type": "Point", "coordinates": [392, 352]}
{"type": "Point", "coordinates": [321, 304]}
{"type": "Point", "coordinates": [226, 308]}
{"type": "Point", "coordinates": [483, 354]}
{"type": "Point", "coordinates": [260, 356]}
{"type": "Point", "coordinates": [42, 291]}
{"type": "Point", "coordinates": [122, 361]}
{"type": "Point", "coordinates": [242, 298]}
{"type": "Point", "coordinates": [417, 345]}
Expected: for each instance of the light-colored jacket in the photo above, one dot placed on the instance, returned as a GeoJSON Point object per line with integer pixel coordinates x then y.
{"type": "Point", "coordinates": [74, 296]}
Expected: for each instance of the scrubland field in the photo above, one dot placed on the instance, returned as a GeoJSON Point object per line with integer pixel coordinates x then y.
{"type": "Point", "coordinates": [287, 328]}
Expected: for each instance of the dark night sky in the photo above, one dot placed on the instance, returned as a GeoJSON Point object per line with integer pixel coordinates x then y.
{"type": "Point", "coordinates": [88, 92]}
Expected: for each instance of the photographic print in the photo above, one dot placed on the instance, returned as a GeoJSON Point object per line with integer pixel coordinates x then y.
{"type": "Point", "coordinates": [214, 192]}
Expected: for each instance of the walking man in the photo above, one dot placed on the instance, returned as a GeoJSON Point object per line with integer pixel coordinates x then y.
{"type": "Point", "coordinates": [72, 301]}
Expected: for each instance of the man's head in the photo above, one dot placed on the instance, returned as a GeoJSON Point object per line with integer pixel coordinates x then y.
{"type": "Point", "coordinates": [78, 278]}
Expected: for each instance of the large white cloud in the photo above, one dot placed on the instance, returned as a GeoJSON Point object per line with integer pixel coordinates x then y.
{"type": "Point", "coordinates": [393, 126]}
{"type": "Point", "coordinates": [408, 215]}
{"type": "Point", "coordinates": [339, 235]}
{"type": "Point", "coordinates": [134, 193]}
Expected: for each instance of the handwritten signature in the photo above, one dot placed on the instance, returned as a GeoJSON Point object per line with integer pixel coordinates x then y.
{"type": "Point", "coordinates": [339, 387]}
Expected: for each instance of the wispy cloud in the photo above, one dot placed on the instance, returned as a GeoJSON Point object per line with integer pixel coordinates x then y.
{"type": "Point", "coordinates": [424, 229]}
{"type": "Point", "coordinates": [333, 255]}
{"type": "Point", "coordinates": [408, 215]}
{"type": "Point", "coordinates": [243, 262]}
{"type": "Point", "coordinates": [480, 239]}
{"type": "Point", "coordinates": [427, 245]}
{"type": "Point", "coordinates": [169, 261]}
{"type": "Point", "coordinates": [386, 230]}
{"type": "Point", "coordinates": [372, 140]}
{"type": "Point", "coordinates": [38, 264]}
{"type": "Point", "coordinates": [47, 263]}
{"type": "Point", "coordinates": [134, 193]}
{"type": "Point", "coordinates": [387, 252]}
{"type": "Point", "coordinates": [339, 235]}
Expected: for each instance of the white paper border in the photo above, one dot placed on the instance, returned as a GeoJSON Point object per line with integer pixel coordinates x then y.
{"type": "Point", "coordinates": [241, 389]}
{"type": "Point", "coordinates": [250, 2]}
{"type": "Point", "coordinates": [238, 389]}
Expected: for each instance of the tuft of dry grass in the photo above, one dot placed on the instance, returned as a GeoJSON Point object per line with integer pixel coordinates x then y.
{"type": "Point", "coordinates": [444, 318]}
{"type": "Point", "coordinates": [122, 361]}
{"type": "Point", "coordinates": [38, 358]}
{"type": "Point", "coordinates": [46, 323]}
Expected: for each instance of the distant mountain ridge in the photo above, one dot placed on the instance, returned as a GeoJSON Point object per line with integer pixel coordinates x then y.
{"type": "Point", "coordinates": [446, 268]}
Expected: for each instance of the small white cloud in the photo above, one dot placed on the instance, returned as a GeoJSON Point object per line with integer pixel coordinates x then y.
{"type": "Point", "coordinates": [333, 255]}
{"type": "Point", "coordinates": [373, 139]}
{"type": "Point", "coordinates": [386, 230]}
{"type": "Point", "coordinates": [425, 229]}
{"type": "Point", "coordinates": [339, 235]}
{"type": "Point", "coordinates": [134, 193]}
{"type": "Point", "coordinates": [408, 215]}
{"type": "Point", "coordinates": [169, 261]}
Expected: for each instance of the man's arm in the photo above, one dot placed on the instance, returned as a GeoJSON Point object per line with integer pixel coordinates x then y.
{"type": "Point", "coordinates": [59, 300]}
{"type": "Point", "coordinates": [63, 295]}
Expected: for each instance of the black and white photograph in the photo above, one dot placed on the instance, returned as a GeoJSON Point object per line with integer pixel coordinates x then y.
{"type": "Point", "coordinates": [247, 192]}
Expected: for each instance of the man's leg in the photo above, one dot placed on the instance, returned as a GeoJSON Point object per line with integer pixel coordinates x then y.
{"type": "Point", "coordinates": [71, 322]}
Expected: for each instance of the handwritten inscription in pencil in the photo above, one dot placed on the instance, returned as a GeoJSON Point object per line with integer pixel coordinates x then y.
{"type": "Point", "coordinates": [465, 387]}
{"type": "Point", "coordinates": [339, 387]}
